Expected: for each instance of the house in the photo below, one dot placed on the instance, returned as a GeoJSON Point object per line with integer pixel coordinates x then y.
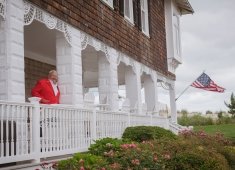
{"type": "Point", "coordinates": [100, 44]}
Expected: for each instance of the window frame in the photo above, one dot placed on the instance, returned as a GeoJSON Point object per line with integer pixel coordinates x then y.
{"type": "Point", "coordinates": [144, 8]}
{"type": "Point", "coordinates": [176, 34]}
{"type": "Point", "coordinates": [131, 18]}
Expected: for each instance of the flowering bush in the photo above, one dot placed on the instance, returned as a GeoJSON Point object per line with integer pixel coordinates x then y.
{"type": "Point", "coordinates": [83, 161]}
{"type": "Point", "coordinates": [191, 150]}
{"type": "Point", "coordinates": [229, 154]}
{"type": "Point", "coordinates": [143, 133]}
{"type": "Point", "coordinates": [105, 145]}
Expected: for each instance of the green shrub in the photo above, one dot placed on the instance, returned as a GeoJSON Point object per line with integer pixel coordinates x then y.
{"type": "Point", "coordinates": [105, 145]}
{"type": "Point", "coordinates": [225, 120]}
{"type": "Point", "coordinates": [195, 120]}
{"type": "Point", "coordinates": [82, 161]}
{"type": "Point", "coordinates": [229, 154]}
{"type": "Point", "coordinates": [146, 133]}
{"type": "Point", "coordinates": [188, 153]}
{"type": "Point", "coordinates": [197, 159]}
{"type": "Point", "coordinates": [163, 133]}
{"type": "Point", "coordinates": [139, 133]}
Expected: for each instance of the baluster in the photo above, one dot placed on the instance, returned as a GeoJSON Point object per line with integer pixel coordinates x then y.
{"type": "Point", "coordinates": [75, 129]}
{"type": "Point", "coordinates": [46, 127]}
{"type": "Point", "coordinates": [26, 129]}
{"type": "Point", "coordinates": [80, 128]}
{"type": "Point", "coordinates": [7, 131]}
{"type": "Point", "coordinates": [1, 121]}
{"type": "Point", "coordinates": [63, 129]}
{"type": "Point", "coordinates": [60, 129]}
{"type": "Point", "coordinates": [53, 129]}
{"type": "Point", "coordinates": [19, 130]}
{"type": "Point", "coordinates": [69, 128]}
{"type": "Point", "coordinates": [50, 129]}
{"type": "Point", "coordinates": [66, 129]}
{"type": "Point", "coordinates": [42, 131]}
{"type": "Point", "coordinates": [57, 129]}
{"type": "Point", "coordinates": [12, 131]}
{"type": "Point", "coordinates": [21, 144]}
{"type": "Point", "coordinates": [31, 128]}
{"type": "Point", "coordinates": [72, 128]}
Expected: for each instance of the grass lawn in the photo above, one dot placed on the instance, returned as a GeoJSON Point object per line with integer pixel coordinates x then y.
{"type": "Point", "coordinates": [227, 129]}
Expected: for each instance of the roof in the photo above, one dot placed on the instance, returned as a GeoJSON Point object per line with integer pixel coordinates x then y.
{"type": "Point", "coordinates": [184, 7]}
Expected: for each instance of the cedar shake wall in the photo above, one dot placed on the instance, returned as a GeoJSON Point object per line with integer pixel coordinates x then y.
{"type": "Point", "coordinates": [98, 20]}
{"type": "Point", "coordinates": [34, 71]}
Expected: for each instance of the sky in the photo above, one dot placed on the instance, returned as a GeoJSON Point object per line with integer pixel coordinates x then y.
{"type": "Point", "coordinates": [208, 44]}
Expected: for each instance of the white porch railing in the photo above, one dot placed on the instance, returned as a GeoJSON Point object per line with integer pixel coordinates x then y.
{"type": "Point", "coordinates": [33, 131]}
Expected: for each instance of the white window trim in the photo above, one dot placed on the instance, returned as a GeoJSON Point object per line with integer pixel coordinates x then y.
{"type": "Point", "coordinates": [131, 19]}
{"type": "Point", "coordinates": [109, 3]}
{"type": "Point", "coordinates": [177, 35]}
{"type": "Point", "coordinates": [146, 23]}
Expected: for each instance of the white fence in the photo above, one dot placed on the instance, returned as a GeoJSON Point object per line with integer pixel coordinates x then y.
{"type": "Point", "coordinates": [33, 131]}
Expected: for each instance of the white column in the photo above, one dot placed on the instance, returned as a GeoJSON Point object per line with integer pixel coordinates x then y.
{"type": "Point", "coordinates": [172, 102]}
{"type": "Point", "coordinates": [151, 94]}
{"type": "Point", "coordinates": [69, 67]}
{"type": "Point", "coordinates": [12, 79]}
{"type": "Point", "coordinates": [133, 88]}
{"type": "Point", "coordinates": [108, 81]}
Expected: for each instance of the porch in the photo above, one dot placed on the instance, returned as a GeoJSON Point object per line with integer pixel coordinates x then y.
{"type": "Point", "coordinates": [30, 132]}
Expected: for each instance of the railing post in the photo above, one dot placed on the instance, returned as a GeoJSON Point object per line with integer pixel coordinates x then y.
{"type": "Point", "coordinates": [93, 124]}
{"type": "Point", "coordinates": [151, 119]}
{"type": "Point", "coordinates": [129, 119]}
{"type": "Point", "coordinates": [36, 132]}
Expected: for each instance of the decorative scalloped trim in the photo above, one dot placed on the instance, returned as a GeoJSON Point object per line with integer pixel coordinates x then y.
{"type": "Point", "coordinates": [3, 8]}
{"type": "Point", "coordinates": [32, 12]}
{"type": "Point", "coordinates": [99, 46]}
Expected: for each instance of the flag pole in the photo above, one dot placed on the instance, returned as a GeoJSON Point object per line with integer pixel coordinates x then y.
{"type": "Point", "coordinates": [183, 92]}
{"type": "Point", "coordinates": [187, 87]}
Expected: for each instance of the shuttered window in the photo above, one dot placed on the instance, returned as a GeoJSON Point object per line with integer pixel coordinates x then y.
{"type": "Point", "coordinates": [136, 12]}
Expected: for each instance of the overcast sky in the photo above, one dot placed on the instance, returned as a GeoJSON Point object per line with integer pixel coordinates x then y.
{"type": "Point", "coordinates": [208, 43]}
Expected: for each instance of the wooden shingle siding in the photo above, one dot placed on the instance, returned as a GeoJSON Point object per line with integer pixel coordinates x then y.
{"type": "Point", "coordinates": [100, 21]}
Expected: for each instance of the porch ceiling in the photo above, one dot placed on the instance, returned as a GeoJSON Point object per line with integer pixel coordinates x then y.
{"type": "Point", "coordinates": [40, 40]}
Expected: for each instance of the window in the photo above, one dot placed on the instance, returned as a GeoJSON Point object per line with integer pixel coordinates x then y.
{"type": "Point", "coordinates": [177, 43]}
{"type": "Point", "coordinates": [128, 10]}
{"type": "Point", "coordinates": [144, 16]}
{"type": "Point", "coordinates": [109, 2]}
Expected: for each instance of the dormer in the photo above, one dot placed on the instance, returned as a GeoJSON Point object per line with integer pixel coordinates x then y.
{"type": "Point", "coordinates": [174, 9]}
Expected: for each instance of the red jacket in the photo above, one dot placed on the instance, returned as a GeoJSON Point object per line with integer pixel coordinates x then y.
{"type": "Point", "coordinates": [44, 90]}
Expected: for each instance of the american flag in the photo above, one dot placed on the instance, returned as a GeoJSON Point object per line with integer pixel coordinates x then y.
{"type": "Point", "coordinates": [204, 82]}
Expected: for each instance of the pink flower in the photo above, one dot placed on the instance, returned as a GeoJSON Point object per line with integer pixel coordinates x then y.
{"type": "Point", "coordinates": [167, 156]}
{"type": "Point", "coordinates": [124, 146]}
{"type": "Point", "coordinates": [82, 168]}
{"type": "Point", "coordinates": [109, 145]}
{"type": "Point", "coordinates": [115, 166]}
{"type": "Point", "coordinates": [132, 145]}
{"type": "Point", "coordinates": [135, 161]}
{"type": "Point", "coordinates": [109, 154]}
{"type": "Point", "coordinates": [155, 158]}
{"type": "Point", "coordinates": [81, 161]}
